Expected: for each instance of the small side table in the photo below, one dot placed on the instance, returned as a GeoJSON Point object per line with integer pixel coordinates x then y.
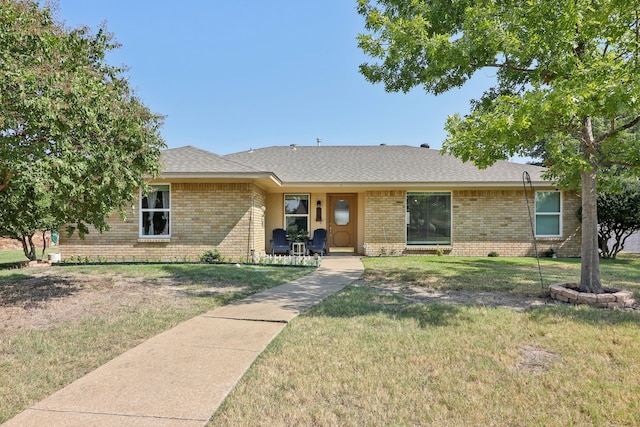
{"type": "Point", "coordinates": [297, 248]}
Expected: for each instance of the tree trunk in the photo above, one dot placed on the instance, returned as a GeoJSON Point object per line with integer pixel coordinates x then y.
{"type": "Point", "coordinates": [590, 269]}
{"type": "Point", "coordinates": [28, 247]}
{"type": "Point", "coordinates": [44, 244]}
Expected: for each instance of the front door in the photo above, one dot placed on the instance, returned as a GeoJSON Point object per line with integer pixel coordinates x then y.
{"type": "Point", "coordinates": [342, 222]}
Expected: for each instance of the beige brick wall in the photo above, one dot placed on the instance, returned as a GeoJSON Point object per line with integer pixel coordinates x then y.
{"type": "Point", "coordinates": [384, 217]}
{"type": "Point", "coordinates": [204, 216]}
{"type": "Point", "coordinates": [483, 221]}
{"type": "Point", "coordinates": [229, 217]}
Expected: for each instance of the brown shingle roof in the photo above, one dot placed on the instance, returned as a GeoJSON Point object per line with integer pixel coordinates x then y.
{"type": "Point", "coordinates": [387, 164]}
{"type": "Point", "coordinates": [196, 161]}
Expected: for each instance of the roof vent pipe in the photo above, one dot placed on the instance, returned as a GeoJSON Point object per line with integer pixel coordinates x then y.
{"type": "Point", "coordinates": [318, 141]}
{"type": "Point", "coordinates": [293, 146]}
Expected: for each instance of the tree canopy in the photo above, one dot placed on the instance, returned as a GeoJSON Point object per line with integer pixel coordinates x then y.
{"type": "Point", "coordinates": [76, 142]}
{"type": "Point", "coordinates": [558, 64]}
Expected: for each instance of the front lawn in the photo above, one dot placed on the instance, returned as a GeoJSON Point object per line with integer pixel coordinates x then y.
{"type": "Point", "coordinates": [377, 354]}
{"type": "Point", "coordinates": [59, 323]}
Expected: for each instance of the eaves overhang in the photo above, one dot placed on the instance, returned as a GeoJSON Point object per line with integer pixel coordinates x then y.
{"type": "Point", "coordinates": [266, 178]}
{"type": "Point", "coordinates": [395, 184]}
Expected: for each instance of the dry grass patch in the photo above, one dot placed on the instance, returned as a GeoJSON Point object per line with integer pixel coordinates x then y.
{"type": "Point", "coordinates": [374, 354]}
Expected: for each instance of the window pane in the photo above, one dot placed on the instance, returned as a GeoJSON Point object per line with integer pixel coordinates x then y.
{"type": "Point", "coordinates": [155, 223]}
{"type": "Point", "coordinates": [341, 212]}
{"type": "Point", "coordinates": [154, 215]}
{"type": "Point", "coordinates": [548, 201]}
{"type": "Point", "coordinates": [296, 225]}
{"type": "Point", "coordinates": [158, 198]}
{"type": "Point", "coordinates": [428, 218]}
{"type": "Point", "coordinates": [547, 225]}
{"type": "Point", "coordinates": [296, 204]}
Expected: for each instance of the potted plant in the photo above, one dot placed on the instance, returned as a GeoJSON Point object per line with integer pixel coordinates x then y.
{"type": "Point", "coordinates": [296, 235]}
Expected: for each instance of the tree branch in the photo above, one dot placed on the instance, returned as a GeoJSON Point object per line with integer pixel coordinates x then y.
{"type": "Point", "coordinates": [612, 132]}
{"type": "Point", "coordinates": [6, 180]}
{"type": "Point", "coordinates": [617, 163]}
{"type": "Point", "coordinates": [511, 67]}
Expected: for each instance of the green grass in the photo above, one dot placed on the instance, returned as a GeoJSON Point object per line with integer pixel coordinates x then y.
{"type": "Point", "coordinates": [10, 258]}
{"type": "Point", "coordinates": [36, 362]}
{"type": "Point", "coordinates": [360, 358]}
{"type": "Point", "coordinates": [516, 276]}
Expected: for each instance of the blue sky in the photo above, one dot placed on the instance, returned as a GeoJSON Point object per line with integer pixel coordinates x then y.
{"type": "Point", "coordinates": [231, 76]}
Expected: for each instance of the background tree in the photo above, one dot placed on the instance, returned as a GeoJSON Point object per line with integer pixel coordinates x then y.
{"type": "Point", "coordinates": [558, 64]}
{"type": "Point", "coordinates": [75, 141]}
{"type": "Point", "coordinates": [618, 218]}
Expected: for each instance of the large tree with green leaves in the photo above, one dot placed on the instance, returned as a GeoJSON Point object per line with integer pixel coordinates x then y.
{"type": "Point", "coordinates": [558, 64]}
{"type": "Point", "coordinates": [75, 141]}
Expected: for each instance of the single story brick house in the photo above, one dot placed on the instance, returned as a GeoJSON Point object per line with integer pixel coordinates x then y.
{"type": "Point", "coordinates": [372, 200]}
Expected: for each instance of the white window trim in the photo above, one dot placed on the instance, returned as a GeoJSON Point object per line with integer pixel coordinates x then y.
{"type": "Point", "coordinates": [558, 214]}
{"type": "Point", "coordinates": [155, 237]}
{"type": "Point", "coordinates": [430, 245]}
{"type": "Point", "coordinates": [285, 214]}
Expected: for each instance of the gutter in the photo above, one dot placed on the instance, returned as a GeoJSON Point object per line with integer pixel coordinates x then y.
{"type": "Point", "coordinates": [448, 184]}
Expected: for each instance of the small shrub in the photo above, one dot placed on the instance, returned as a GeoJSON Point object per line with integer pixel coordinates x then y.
{"type": "Point", "coordinates": [210, 257]}
{"type": "Point", "coordinates": [439, 251]}
{"type": "Point", "coordinates": [549, 253]}
{"type": "Point", "coordinates": [493, 254]}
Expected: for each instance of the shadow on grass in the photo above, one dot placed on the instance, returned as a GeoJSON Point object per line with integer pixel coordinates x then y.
{"type": "Point", "coordinates": [12, 265]}
{"type": "Point", "coordinates": [584, 314]}
{"type": "Point", "coordinates": [456, 269]}
{"type": "Point", "coordinates": [28, 292]}
{"type": "Point", "coordinates": [253, 278]}
{"type": "Point", "coordinates": [221, 283]}
{"type": "Point", "coordinates": [356, 301]}
{"type": "Point", "coordinates": [516, 276]}
{"type": "Point", "coordinates": [218, 299]}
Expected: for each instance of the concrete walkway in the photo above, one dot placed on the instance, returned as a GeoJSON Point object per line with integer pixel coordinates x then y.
{"type": "Point", "coordinates": [181, 376]}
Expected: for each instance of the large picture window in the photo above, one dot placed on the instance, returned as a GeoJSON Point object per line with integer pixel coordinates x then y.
{"type": "Point", "coordinates": [548, 214]}
{"type": "Point", "coordinates": [429, 218]}
{"type": "Point", "coordinates": [296, 214]}
{"type": "Point", "coordinates": [155, 212]}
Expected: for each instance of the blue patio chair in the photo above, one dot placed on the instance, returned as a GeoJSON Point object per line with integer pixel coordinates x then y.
{"type": "Point", "coordinates": [279, 242]}
{"type": "Point", "coordinates": [318, 243]}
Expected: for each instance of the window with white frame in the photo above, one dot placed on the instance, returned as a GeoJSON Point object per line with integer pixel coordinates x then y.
{"type": "Point", "coordinates": [548, 214]}
{"type": "Point", "coordinates": [296, 214]}
{"type": "Point", "coordinates": [429, 218]}
{"type": "Point", "coordinates": [155, 212]}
